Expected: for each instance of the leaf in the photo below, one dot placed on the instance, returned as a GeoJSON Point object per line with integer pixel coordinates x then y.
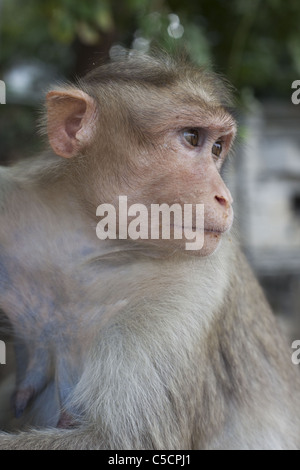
{"type": "Point", "coordinates": [103, 18]}
{"type": "Point", "coordinates": [62, 26]}
{"type": "Point", "coordinates": [87, 34]}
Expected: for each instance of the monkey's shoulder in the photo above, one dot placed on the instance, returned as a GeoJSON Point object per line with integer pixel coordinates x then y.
{"type": "Point", "coordinates": [15, 189]}
{"type": "Point", "coordinates": [6, 187]}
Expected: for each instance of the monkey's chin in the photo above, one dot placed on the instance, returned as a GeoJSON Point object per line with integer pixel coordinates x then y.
{"type": "Point", "coordinates": [212, 241]}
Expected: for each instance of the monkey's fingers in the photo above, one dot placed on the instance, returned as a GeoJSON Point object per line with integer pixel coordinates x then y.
{"type": "Point", "coordinates": [66, 421]}
{"type": "Point", "coordinates": [33, 382]}
{"type": "Point", "coordinates": [21, 399]}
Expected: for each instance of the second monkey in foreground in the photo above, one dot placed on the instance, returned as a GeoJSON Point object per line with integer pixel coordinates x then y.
{"type": "Point", "coordinates": [142, 344]}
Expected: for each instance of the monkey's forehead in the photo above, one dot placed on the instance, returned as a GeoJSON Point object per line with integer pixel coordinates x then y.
{"type": "Point", "coordinates": [180, 105]}
{"type": "Point", "coordinates": [161, 74]}
{"type": "Point", "coordinates": [194, 94]}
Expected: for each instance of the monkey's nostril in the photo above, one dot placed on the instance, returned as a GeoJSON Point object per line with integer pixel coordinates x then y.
{"type": "Point", "coordinates": [221, 200]}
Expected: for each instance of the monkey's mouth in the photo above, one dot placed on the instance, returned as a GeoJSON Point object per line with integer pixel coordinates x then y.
{"type": "Point", "coordinates": [215, 231]}
{"type": "Point", "coordinates": [202, 229]}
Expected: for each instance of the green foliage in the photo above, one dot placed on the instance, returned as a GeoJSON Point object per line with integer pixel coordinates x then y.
{"type": "Point", "coordinates": [256, 44]}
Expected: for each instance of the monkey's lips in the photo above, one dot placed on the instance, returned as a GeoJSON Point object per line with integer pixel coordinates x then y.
{"type": "Point", "coordinates": [215, 231]}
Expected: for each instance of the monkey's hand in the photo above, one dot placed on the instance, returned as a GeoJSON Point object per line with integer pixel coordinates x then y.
{"type": "Point", "coordinates": [57, 359]}
{"type": "Point", "coordinates": [38, 366]}
{"type": "Point", "coordinates": [32, 374]}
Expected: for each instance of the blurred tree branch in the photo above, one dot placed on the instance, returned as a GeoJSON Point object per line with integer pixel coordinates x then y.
{"type": "Point", "coordinates": [256, 44]}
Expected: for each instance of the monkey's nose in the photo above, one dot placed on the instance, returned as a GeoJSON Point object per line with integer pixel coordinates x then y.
{"type": "Point", "coordinates": [222, 200]}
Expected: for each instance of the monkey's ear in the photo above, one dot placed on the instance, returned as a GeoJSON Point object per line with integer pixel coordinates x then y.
{"type": "Point", "coordinates": [70, 120]}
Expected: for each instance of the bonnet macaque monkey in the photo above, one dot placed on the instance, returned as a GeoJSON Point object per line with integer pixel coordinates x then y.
{"type": "Point", "coordinates": [137, 344]}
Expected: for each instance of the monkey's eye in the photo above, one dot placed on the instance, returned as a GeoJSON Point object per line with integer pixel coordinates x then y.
{"type": "Point", "coordinates": [192, 136]}
{"type": "Point", "coordinates": [217, 148]}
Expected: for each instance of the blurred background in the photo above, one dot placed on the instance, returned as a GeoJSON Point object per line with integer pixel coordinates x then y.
{"type": "Point", "coordinates": [256, 45]}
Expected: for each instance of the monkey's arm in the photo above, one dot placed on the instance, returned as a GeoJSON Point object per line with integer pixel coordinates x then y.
{"type": "Point", "coordinates": [252, 364]}
{"type": "Point", "coordinates": [83, 438]}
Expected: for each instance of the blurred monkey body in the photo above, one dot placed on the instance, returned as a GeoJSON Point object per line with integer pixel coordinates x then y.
{"type": "Point", "coordinates": [124, 344]}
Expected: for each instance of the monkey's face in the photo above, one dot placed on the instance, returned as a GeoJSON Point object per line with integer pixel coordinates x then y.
{"type": "Point", "coordinates": [184, 177]}
{"type": "Point", "coordinates": [178, 168]}
{"type": "Point", "coordinates": [165, 157]}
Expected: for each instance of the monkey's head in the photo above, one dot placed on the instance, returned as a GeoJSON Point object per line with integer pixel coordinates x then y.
{"type": "Point", "coordinates": [155, 130]}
